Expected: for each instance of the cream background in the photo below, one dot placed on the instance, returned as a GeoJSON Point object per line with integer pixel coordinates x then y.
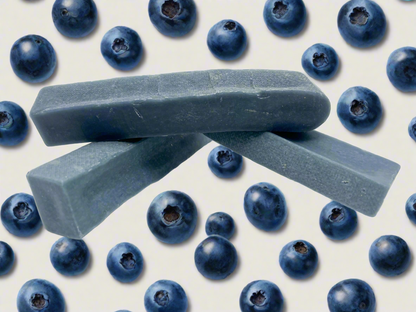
{"type": "Point", "coordinates": [80, 60]}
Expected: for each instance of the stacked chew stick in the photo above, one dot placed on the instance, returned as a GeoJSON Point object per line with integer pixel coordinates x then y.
{"type": "Point", "coordinates": [165, 119]}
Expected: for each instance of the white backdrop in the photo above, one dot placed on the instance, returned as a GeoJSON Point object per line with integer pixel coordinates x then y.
{"type": "Point", "coordinates": [81, 60]}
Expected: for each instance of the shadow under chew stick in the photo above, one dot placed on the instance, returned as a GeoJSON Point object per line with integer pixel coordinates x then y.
{"type": "Point", "coordinates": [76, 192]}
{"type": "Point", "coordinates": [344, 173]}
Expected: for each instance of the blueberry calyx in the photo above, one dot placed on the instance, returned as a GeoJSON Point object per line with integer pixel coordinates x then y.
{"type": "Point", "coordinates": [171, 8]}
{"type": "Point", "coordinates": [409, 72]}
{"type": "Point", "coordinates": [39, 302]}
{"type": "Point", "coordinates": [362, 306]}
{"type": "Point", "coordinates": [230, 26]}
{"type": "Point", "coordinates": [337, 215]}
{"type": "Point", "coordinates": [258, 298]}
{"type": "Point", "coordinates": [300, 247]}
{"type": "Point", "coordinates": [64, 12]}
{"type": "Point", "coordinates": [226, 156]}
{"type": "Point", "coordinates": [358, 108]}
{"type": "Point", "coordinates": [320, 60]}
{"type": "Point", "coordinates": [359, 16]}
{"type": "Point", "coordinates": [162, 298]}
{"type": "Point", "coordinates": [22, 210]}
{"type": "Point", "coordinates": [171, 214]}
{"type": "Point", "coordinates": [127, 261]}
{"type": "Point", "coordinates": [120, 45]}
{"type": "Point", "coordinates": [280, 9]}
{"type": "Point", "coordinates": [6, 120]}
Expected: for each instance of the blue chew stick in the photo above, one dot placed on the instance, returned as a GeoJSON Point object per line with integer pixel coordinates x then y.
{"type": "Point", "coordinates": [179, 103]}
{"type": "Point", "coordinates": [344, 173]}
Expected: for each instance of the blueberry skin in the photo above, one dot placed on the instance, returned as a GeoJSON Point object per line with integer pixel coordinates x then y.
{"type": "Point", "coordinates": [412, 129]}
{"type": "Point", "coordinates": [69, 257]}
{"type": "Point", "coordinates": [33, 58]}
{"type": "Point", "coordinates": [165, 296]}
{"type": "Point", "coordinates": [216, 258]}
{"type": "Point", "coordinates": [285, 18]}
{"type": "Point", "coordinates": [359, 110]}
{"type": "Point", "coordinates": [122, 48]}
{"type": "Point", "coordinates": [389, 255]}
{"type": "Point", "coordinates": [337, 221]}
{"type": "Point", "coordinates": [6, 258]}
{"type": "Point", "coordinates": [351, 295]}
{"type": "Point", "coordinates": [261, 296]}
{"type": "Point", "coordinates": [40, 295]}
{"type": "Point", "coordinates": [220, 223]}
{"type": "Point", "coordinates": [125, 262]}
{"type": "Point", "coordinates": [173, 18]}
{"type": "Point", "coordinates": [411, 208]}
{"type": "Point", "coordinates": [75, 18]}
{"type": "Point", "coordinates": [224, 163]}
{"type": "Point", "coordinates": [20, 215]}
{"type": "Point", "coordinates": [13, 124]}
{"type": "Point", "coordinates": [401, 69]}
{"type": "Point", "coordinates": [172, 217]}
{"type": "Point", "coordinates": [362, 23]}
{"type": "Point", "coordinates": [227, 40]}
{"type": "Point", "coordinates": [320, 61]}
{"type": "Point", "coordinates": [298, 259]}
{"type": "Point", "coordinates": [265, 206]}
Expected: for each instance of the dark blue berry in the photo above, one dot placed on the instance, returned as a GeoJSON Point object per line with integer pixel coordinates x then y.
{"type": "Point", "coordinates": [173, 18]}
{"type": "Point", "coordinates": [338, 222]}
{"type": "Point", "coordinates": [401, 69]}
{"type": "Point", "coordinates": [320, 61]}
{"type": "Point", "coordinates": [359, 110]}
{"type": "Point", "coordinates": [216, 258]}
{"type": "Point", "coordinates": [165, 296]}
{"type": "Point", "coordinates": [285, 18]}
{"type": "Point", "coordinates": [352, 295]}
{"type": "Point", "coordinates": [172, 217]}
{"type": "Point", "coordinates": [20, 215]}
{"type": "Point", "coordinates": [261, 296]}
{"type": "Point", "coordinates": [40, 295]}
{"type": "Point", "coordinates": [33, 58]}
{"type": "Point", "coordinates": [220, 223]}
{"type": "Point", "coordinates": [125, 262]}
{"type": "Point", "coordinates": [265, 206]}
{"type": "Point", "coordinates": [224, 163]}
{"type": "Point", "coordinates": [227, 40]}
{"type": "Point", "coordinates": [13, 124]}
{"type": "Point", "coordinates": [69, 257]}
{"type": "Point", "coordinates": [298, 259]}
{"type": "Point", "coordinates": [412, 129]}
{"type": "Point", "coordinates": [411, 208]}
{"type": "Point", "coordinates": [122, 48]}
{"type": "Point", "coordinates": [6, 258]}
{"type": "Point", "coordinates": [362, 23]}
{"type": "Point", "coordinates": [390, 255]}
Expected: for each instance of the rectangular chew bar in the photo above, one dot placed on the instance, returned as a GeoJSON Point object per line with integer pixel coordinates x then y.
{"type": "Point", "coordinates": [344, 173]}
{"type": "Point", "coordinates": [179, 103]}
{"type": "Point", "coordinates": [77, 191]}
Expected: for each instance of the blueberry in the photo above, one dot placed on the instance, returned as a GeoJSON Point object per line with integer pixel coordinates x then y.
{"type": "Point", "coordinates": [261, 296]}
{"type": "Point", "coordinates": [74, 18]}
{"type": "Point", "coordinates": [359, 110]}
{"type": "Point", "coordinates": [265, 206]}
{"type": "Point", "coordinates": [69, 257]}
{"type": "Point", "coordinates": [320, 61]}
{"type": "Point", "coordinates": [412, 129]}
{"type": "Point", "coordinates": [401, 69]}
{"type": "Point", "coordinates": [362, 23]}
{"type": "Point", "coordinates": [165, 296]}
{"type": "Point", "coordinates": [390, 255]}
{"type": "Point", "coordinates": [172, 217]}
{"type": "Point", "coordinates": [13, 124]}
{"type": "Point", "coordinates": [220, 223]}
{"type": "Point", "coordinates": [338, 222]}
{"type": "Point", "coordinates": [20, 215]}
{"type": "Point", "coordinates": [125, 262]}
{"type": "Point", "coordinates": [6, 258]}
{"type": "Point", "coordinates": [33, 58]}
{"type": "Point", "coordinates": [411, 208]}
{"type": "Point", "coordinates": [298, 259]}
{"type": "Point", "coordinates": [351, 295]}
{"type": "Point", "coordinates": [285, 18]}
{"type": "Point", "coordinates": [216, 258]}
{"type": "Point", "coordinates": [122, 48]}
{"type": "Point", "coordinates": [224, 163]}
{"type": "Point", "coordinates": [173, 18]}
{"type": "Point", "coordinates": [40, 295]}
{"type": "Point", "coordinates": [227, 40]}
